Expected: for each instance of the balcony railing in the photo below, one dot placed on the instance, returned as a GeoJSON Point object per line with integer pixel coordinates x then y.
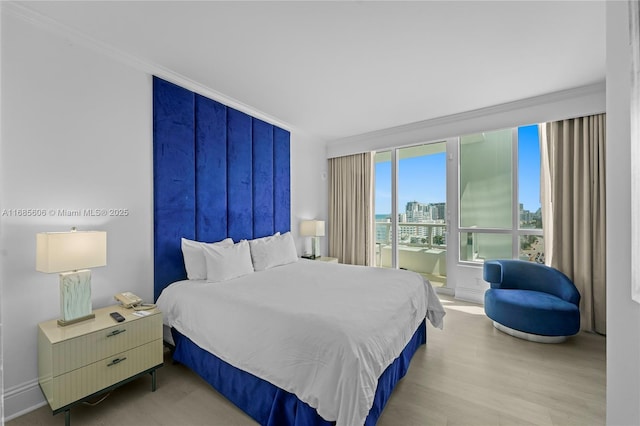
{"type": "Point", "coordinates": [422, 247]}
{"type": "Point", "coordinates": [414, 234]}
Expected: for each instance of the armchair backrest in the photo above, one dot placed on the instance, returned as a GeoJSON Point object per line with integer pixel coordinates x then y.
{"type": "Point", "coordinates": [524, 275]}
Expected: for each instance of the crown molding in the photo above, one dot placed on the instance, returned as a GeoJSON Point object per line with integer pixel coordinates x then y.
{"type": "Point", "coordinates": [23, 12]}
{"type": "Point", "coordinates": [508, 107]}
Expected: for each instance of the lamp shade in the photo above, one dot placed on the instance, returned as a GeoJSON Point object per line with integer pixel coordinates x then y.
{"type": "Point", "coordinates": [312, 228]}
{"type": "Point", "coordinates": [70, 251]}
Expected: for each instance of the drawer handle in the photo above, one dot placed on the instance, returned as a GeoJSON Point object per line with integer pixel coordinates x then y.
{"type": "Point", "coordinates": [116, 361]}
{"type": "Point", "coordinates": [115, 333]}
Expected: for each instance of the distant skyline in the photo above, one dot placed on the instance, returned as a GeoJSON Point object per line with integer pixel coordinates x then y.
{"type": "Point", "coordinates": [423, 179]}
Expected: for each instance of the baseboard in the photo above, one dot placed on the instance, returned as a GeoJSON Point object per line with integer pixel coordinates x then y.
{"type": "Point", "coordinates": [445, 290]}
{"type": "Point", "coordinates": [22, 399]}
{"type": "Point", "coordinates": [470, 295]}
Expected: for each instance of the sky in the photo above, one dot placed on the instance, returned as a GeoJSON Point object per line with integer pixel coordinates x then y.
{"type": "Point", "coordinates": [529, 167]}
{"type": "Point", "coordinates": [423, 179]}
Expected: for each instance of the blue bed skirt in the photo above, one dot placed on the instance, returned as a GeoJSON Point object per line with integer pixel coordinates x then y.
{"type": "Point", "coordinates": [271, 406]}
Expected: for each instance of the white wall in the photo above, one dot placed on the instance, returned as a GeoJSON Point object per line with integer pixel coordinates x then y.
{"type": "Point", "coordinates": [623, 315]}
{"type": "Point", "coordinates": [1, 268]}
{"type": "Point", "coordinates": [309, 186]}
{"type": "Point", "coordinates": [76, 134]}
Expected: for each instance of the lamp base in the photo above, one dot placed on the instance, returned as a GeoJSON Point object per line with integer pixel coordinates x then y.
{"type": "Point", "coordinates": [63, 323]}
{"type": "Point", "coordinates": [315, 247]}
{"type": "Point", "coordinates": [75, 297]}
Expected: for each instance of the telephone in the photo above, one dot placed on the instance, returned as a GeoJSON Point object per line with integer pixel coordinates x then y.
{"type": "Point", "coordinates": [131, 301]}
{"type": "Point", "coordinates": [128, 299]}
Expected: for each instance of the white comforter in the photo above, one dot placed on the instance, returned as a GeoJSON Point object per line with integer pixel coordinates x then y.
{"type": "Point", "coordinates": [324, 332]}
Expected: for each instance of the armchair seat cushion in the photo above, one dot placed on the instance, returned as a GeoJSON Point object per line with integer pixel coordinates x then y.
{"type": "Point", "coordinates": [532, 311]}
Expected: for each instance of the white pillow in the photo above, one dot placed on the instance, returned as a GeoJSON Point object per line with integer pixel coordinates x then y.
{"type": "Point", "coordinates": [227, 262]}
{"type": "Point", "coordinates": [194, 257]}
{"type": "Point", "coordinates": [265, 239]}
{"type": "Point", "coordinates": [273, 251]}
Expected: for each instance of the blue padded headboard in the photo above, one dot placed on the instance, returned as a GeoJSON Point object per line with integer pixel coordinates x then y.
{"type": "Point", "coordinates": [217, 173]}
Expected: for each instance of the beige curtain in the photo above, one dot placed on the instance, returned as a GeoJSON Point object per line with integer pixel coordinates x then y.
{"type": "Point", "coordinates": [573, 213]}
{"type": "Point", "coordinates": [351, 236]}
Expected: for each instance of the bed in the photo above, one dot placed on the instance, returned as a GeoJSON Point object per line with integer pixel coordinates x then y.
{"type": "Point", "coordinates": [323, 333]}
{"type": "Point", "coordinates": [221, 174]}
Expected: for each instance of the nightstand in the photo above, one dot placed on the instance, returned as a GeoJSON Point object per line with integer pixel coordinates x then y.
{"type": "Point", "coordinates": [80, 361]}
{"type": "Point", "coordinates": [326, 259]}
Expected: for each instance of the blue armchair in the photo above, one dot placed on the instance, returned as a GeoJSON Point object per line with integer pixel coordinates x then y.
{"type": "Point", "coordinates": [531, 301]}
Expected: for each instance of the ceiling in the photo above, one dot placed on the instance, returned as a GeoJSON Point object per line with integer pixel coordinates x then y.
{"type": "Point", "coordinates": [338, 69]}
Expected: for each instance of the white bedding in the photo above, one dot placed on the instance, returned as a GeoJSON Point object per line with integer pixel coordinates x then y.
{"type": "Point", "coordinates": [322, 331]}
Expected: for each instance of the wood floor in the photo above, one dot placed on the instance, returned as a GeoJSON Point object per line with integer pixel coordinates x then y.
{"type": "Point", "coordinates": [467, 374]}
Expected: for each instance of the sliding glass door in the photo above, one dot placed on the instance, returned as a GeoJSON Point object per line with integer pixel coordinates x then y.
{"type": "Point", "coordinates": [413, 235]}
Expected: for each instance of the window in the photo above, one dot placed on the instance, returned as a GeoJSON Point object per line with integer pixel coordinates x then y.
{"type": "Point", "coordinates": [529, 205]}
{"type": "Point", "coordinates": [499, 189]}
{"type": "Point", "coordinates": [490, 209]}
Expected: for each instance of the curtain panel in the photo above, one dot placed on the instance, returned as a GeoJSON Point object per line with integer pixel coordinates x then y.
{"type": "Point", "coordinates": [573, 212]}
{"type": "Point", "coordinates": [351, 235]}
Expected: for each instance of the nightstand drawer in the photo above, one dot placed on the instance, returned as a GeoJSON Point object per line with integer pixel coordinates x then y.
{"type": "Point", "coordinates": [67, 388]}
{"type": "Point", "coordinates": [74, 353]}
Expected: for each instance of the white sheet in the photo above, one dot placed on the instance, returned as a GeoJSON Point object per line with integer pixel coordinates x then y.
{"type": "Point", "coordinates": [322, 331]}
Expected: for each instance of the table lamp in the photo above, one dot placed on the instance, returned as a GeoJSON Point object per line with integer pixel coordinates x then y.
{"type": "Point", "coordinates": [313, 229]}
{"type": "Point", "coordinates": [71, 254]}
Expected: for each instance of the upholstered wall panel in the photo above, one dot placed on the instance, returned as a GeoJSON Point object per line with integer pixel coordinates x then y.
{"type": "Point", "coordinates": [263, 204]}
{"type": "Point", "coordinates": [174, 177]}
{"type": "Point", "coordinates": [211, 169]}
{"type": "Point", "coordinates": [281, 179]}
{"type": "Point", "coordinates": [240, 174]}
{"type": "Point", "coordinates": [218, 173]}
